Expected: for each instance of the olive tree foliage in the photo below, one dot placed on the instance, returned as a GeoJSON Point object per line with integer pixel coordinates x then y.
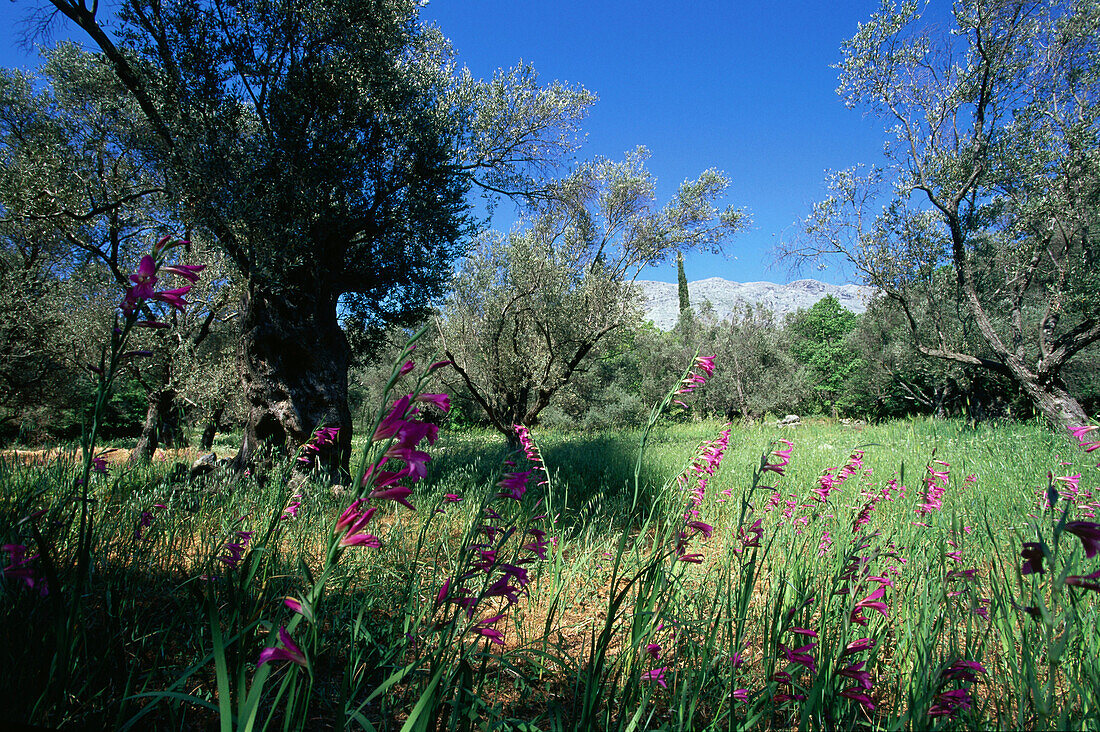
{"type": "Point", "coordinates": [80, 203]}
{"type": "Point", "coordinates": [755, 372]}
{"type": "Point", "coordinates": [328, 148]}
{"type": "Point", "coordinates": [530, 308]}
{"type": "Point", "coordinates": [992, 173]}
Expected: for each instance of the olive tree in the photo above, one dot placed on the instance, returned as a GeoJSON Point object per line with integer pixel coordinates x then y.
{"type": "Point", "coordinates": [530, 308]}
{"type": "Point", "coordinates": [80, 201]}
{"type": "Point", "coordinates": [328, 149]}
{"type": "Point", "coordinates": [992, 172]}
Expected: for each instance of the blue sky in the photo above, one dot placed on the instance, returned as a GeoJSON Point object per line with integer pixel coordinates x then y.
{"type": "Point", "coordinates": [745, 87]}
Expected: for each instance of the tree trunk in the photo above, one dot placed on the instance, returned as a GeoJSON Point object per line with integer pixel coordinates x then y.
{"type": "Point", "coordinates": [211, 430]}
{"type": "Point", "coordinates": [1055, 403]}
{"type": "Point", "coordinates": [294, 373]}
{"type": "Point", "coordinates": [159, 413]}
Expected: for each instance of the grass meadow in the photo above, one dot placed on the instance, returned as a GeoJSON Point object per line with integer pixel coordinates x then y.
{"type": "Point", "coordinates": [910, 575]}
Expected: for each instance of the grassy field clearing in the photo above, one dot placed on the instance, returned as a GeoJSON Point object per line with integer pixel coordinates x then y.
{"type": "Point", "coordinates": [505, 602]}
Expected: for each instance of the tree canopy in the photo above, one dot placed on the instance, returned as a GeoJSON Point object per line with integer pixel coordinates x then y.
{"type": "Point", "coordinates": [328, 148]}
{"type": "Point", "coordinates": [530, 308]}
{"type": "Point", "coordinates": [992, 175]}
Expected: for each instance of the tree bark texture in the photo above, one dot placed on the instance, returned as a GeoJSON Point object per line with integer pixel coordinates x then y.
{"type": "Point", "coordinates": [159, 418]}
{"type": "Point", "coordinates": [294, 373]}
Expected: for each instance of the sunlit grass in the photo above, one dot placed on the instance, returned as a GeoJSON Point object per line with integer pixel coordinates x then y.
{"type": "Point", "coordinates": [718, 623]}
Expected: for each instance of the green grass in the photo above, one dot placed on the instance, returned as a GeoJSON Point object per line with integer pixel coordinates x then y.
{"type": "Point", "coordinates": [384, 654]}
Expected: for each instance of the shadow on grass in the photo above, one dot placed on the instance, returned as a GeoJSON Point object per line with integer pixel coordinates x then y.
{"type": "Point", "coordinates": [592, 474]}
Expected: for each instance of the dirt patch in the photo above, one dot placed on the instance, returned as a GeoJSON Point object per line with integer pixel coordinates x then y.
{"type": "Point", "coordinates": [113, 455]}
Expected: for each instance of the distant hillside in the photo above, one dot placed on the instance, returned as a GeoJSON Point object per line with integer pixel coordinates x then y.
{"type": "Point", "coordinates": [663, 303]}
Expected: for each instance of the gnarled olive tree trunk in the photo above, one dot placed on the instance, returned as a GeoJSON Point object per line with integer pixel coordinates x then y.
{"type": "Point", "coordinates": [294, 373]}
{"type": "Point", "coordinates": [161, 421]}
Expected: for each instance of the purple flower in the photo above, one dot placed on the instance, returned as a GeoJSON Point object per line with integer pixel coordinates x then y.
{"type": "Point", "coordinates": [399, 494]}
{"type": "Point", "coordinates": [1085, 582]}
{"type": "Point", "coordinates": [289, 652]}
{"type": "Point", "coordinates": [173, 297]}
{"type": "Point", "coordinates": [482, 628]}
{"type": "Point", "coordinates": [872, 602]}
{"type": "Point", "coordinates": [144, 280]}
{"type": "Point", "coordinates": [705, 529]}
{"type": "Point", "coordinates": [948, 703]}
{"type": "Point", "coordinates": [658, 675]}
{"type": "Point", "coordinates": [514, 485]}
{"type": "Point", "coordinates": [963, 670]}
{"type": "Point", "coordinates": [20, 569]}
{"type": "Point", "coordinates": [862, 644]}
{"type": "Point", "coordinates": [189, 272]}
{"type": "Point", "coordinates": [1033, 558]}
{"type": "Point", "coordinates": [300, 607]}
{"type": "Point", "coordinates": [800, 656]}
{"type": "Point", "coordinates": [1089, 534]}
{"type": "Point", "coordinates": [441, 401]}
{"type": "Point", "coordinates": [706, 364]}
{"type": "Point", "coordinates": [856, 673]}
{"type": "Point", "coordinates": [856, 694]}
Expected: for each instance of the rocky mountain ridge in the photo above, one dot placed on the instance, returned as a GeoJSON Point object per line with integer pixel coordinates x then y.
{"type": "Point", "coordinates": [662, 302]}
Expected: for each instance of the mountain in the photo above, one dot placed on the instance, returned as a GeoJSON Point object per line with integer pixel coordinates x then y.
{"type": "Point", "coordinates": [662, 303]}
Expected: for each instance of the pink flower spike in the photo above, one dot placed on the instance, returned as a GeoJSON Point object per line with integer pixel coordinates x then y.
{"type": "Point", "coordinates": [398, 494]}
{"type": "Point", "coordinates": [441, 401]}
{"type": "Point", "coordinates": [173, 297]}
{"type": "Point", "coordinates": [167, 242]}
{"type": "Point", "coordinates": [658, 675]}
{"type": "Point", "coordinates": [367, 540]}
{"type": "Point", "coordinates": [855, 694]}
{"type": "Point", "coordinates": [705, 529]}
{"type": "Point", "coordinates": [297, 606]}
{"type": "Point", "coordinates": [654, 650]}
{"type": "Point", "coordinates": [494, 635]}
{"type": "Point", "coordinates": [406, 368]}
{"type": "Point", "coordinates": [803, 631]}
{"type": "Point", "coordinates": [289, 652]}
{"type": "Point", "coordinates": [439, 365]}
{"type": "Point", "coordinates": [144, 279]}
{"type": "Point", "coordinates": [189, 272]}
{"type": "Point", "coordinates": [862, 644]}
{"type": "Point", "coordinates": [1085, 582]}
{"type": "Point", "coordinates": [350, 515]}
{"type": "Point", "coordinates": [1089, 534]}
{"type": "Point", "coordinates": [1080, 431]}
{"type": "Point", "coordinates": [856, 673]}
{"type": "Point", "coordinates": [706, 364]}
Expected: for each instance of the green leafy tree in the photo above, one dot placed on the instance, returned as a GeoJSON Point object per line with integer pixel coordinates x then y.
{"type": "Point", "coordinates": [993, 171]}
{"type": "Point", "coordinates": [755, 372]}
{"type": "Point", "coordinates": [80, 201]}
{"type": "Point", "coordinates": [819, 341]}
{"type": "Point", "coordinates": [328, 149]}
{"type": "Point", "coordinates": [531, 308]}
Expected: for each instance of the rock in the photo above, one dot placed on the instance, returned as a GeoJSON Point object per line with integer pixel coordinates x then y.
{"type": "Point", "coordinates": [788, 421]}
{"type": "Point", "coordinates": [662, 303]}
{"type": "Point", "coordinates": [204, 465]}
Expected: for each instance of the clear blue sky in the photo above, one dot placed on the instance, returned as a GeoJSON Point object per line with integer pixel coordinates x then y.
{"type": "Point", "coordinates": [745, 87]}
